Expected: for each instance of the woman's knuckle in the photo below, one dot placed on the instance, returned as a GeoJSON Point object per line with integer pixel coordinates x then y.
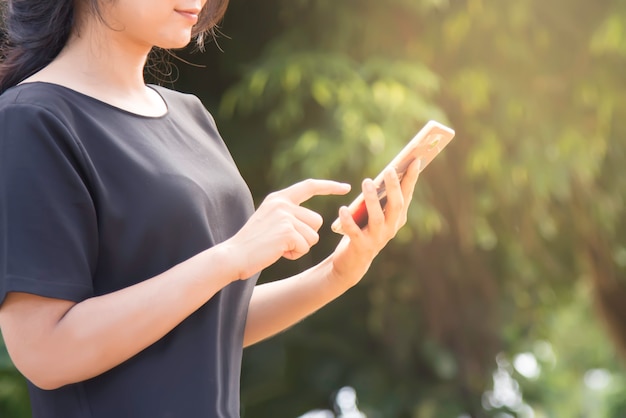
{"type": "Point", "coordinates": [376, 220]}
{"type": "Point", "coordinates": [272, 196]}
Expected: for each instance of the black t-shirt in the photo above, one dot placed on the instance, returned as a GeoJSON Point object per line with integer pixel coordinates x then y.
{"type": "Point", "coordinates": [94, 199]}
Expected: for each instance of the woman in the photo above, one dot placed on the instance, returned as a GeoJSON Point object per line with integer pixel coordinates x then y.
{"type": "Point", "coordinates": [129, 245]}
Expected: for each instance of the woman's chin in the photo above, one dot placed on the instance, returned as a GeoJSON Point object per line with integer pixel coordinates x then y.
{"type": "Point", "coordinates": [176, 42]}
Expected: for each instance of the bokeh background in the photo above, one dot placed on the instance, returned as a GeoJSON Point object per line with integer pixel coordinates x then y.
{"type": "Point", "coordinates": [505, 294]}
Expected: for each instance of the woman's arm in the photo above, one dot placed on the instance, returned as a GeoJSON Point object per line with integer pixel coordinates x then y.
{"type": "Point", "coordinates": [56, 342]}
{"type": "Point", "coordinates": [277, 305]}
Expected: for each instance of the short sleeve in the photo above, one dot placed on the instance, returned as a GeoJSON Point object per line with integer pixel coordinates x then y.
{"type": "Point", "coordinates": [48, 223]}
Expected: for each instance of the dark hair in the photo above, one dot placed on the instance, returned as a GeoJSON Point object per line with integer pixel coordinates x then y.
{"type": "Point", "coordinates": [35, 32]}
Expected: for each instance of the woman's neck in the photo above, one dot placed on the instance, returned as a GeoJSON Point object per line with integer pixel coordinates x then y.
{"type": "Point", "coordinates": [105, 68]}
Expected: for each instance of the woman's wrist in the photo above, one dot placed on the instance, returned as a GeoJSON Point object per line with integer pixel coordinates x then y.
{"type": "Point", "coordinates": [345, 275]}
{"type": "Point", "coordinates": [224, 261]}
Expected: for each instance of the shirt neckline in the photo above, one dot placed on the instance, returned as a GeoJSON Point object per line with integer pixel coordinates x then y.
{"type": "Point", "coordinates": [102, 102]}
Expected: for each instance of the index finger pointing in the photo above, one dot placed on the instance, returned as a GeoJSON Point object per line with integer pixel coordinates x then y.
{"type": "Point", "coordinates": [306, 189]}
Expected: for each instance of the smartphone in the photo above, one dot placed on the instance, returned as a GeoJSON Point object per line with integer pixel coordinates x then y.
{"type": "Point", "coordinates": [424, 146]}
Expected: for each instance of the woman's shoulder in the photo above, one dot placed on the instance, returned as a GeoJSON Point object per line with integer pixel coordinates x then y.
{"type": "Point", "coordinates": [184, 106]}
{"type": "Point", "coordinates": [175, 98]}
{"type": "Point", "coordinates": [37, 97]}
{"type": "Point", "coordinates": [30, 93]}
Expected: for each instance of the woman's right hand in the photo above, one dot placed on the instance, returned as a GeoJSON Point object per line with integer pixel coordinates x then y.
{"type": "Point", "coordinates": [280, 227]}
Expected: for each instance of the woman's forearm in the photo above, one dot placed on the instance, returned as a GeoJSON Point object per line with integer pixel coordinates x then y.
{"type": "Point", "coordinates": [59, 342]}
{"type": "Point", "coordinates": [276, 306]}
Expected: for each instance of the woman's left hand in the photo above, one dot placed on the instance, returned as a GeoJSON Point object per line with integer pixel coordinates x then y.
{"type": "Point", "coordinates": [355, 252]}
